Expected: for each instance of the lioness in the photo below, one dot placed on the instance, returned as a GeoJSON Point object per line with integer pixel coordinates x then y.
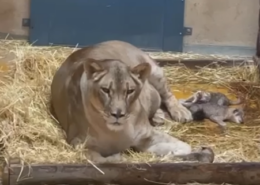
{"type": "Point", "coordinates": [107, 93]}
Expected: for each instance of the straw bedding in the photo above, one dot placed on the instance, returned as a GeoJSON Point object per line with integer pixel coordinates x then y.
{"type": "Point", "coordinates": [28, 131]}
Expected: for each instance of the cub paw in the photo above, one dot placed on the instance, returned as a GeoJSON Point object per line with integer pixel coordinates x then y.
{"type": "Point", "coordinates": [158, 118]}
{"type": "Point", "coordinates": [224, 132]}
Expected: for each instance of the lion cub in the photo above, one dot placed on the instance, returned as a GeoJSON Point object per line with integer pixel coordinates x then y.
{"type": "Point", "coordinates": [216, 113]}
{"type": "Point", "coordinates": [212, 97]}
{"type": "Point", "coordinates": [102, 95]}
{"type": "Point", "coordinates": [213, 106]}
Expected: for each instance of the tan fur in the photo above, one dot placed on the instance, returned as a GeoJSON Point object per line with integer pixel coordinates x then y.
{"type": "Point", "coordinates": [104, 94]}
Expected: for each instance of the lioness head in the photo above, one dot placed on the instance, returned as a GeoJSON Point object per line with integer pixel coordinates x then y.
{"type": "Point", "coordinates": [113, 88]}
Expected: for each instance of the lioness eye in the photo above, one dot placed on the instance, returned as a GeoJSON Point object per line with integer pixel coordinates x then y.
{"type": "Point", "coordinates": [105, 90]}
{"type": "Point", "coordinates": [130, 91]}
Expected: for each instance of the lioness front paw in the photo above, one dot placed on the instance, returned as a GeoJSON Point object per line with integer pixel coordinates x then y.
{"type": "Point", "coordinates": [76, 142]}
{"type": "Point", "coordinates": [206, 155]}
{"type": "Point", "coordinates": [97, 158]}
{"type": "Point", "coordinates": [116, 158]}
{"type": "Point", "coordinates": [181, 114]}
{"type": "Point", "coordinates": [158, 118]}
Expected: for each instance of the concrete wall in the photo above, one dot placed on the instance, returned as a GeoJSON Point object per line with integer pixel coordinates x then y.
{"type": "Point", "coordinates": [11, 14]}
{"type": "Point", "coordinates": [222, 26]}
{"type": "Point", "coordinates": [219, 26]}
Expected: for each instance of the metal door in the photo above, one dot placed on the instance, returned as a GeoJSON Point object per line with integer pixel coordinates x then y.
{"type": "Point", "coordinates": [148, 24]}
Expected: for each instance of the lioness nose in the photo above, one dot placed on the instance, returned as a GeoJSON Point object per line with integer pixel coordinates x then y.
{"type": "Point", "coordinates": [118, 114]}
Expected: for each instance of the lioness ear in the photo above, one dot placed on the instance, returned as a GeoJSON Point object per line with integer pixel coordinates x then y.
{"type": "Point", "coordinates": [142, 70]}
{"type": "Point", "coordinates": [92, 66]}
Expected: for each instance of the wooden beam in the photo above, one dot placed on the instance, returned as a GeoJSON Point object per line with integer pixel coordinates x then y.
{"type": "Point", "coordinates": [129, 174]}
{"type": "Point", "coordinates": [257, 55]}
{"type": "Point", "coordinates": [256, 61]}
{"type": "Point", "coordinates": [194, 63]}
{"type": "Point", "coordinates": [258, 35]}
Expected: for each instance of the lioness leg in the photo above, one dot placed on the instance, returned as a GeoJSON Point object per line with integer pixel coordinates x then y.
{"type": "Point", "coordinates": [161, 143]}
{"type": "Point", "coordinates": [158, 118]}
{"type": "Point", "coordinates": [177, 111]}
{"type": "Point", "coordinates": [95, 156]}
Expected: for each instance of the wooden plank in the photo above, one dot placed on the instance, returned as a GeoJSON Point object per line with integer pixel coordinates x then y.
{"type": "Point", "coordinates": [194, 63]}
{"type": "Point", "coordinates": [257, 55]}
{"type": "Point", "coordinates": [258, 36]}
{"type": "Point", "coordinates": [257, 62]}
{"type": "Point", "coordinates": [129, 174]}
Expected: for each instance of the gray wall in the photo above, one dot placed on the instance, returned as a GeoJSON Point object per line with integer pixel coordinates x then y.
{"type": "Point", "coordinates": [222, 26]}
{"type": "Point", "coordinates": [11, 14]}
{"type": "Point", "coordinates": [219, 26]}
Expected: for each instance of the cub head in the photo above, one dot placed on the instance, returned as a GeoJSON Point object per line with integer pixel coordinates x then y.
{"type": "Point", "coordinates": [236, 115]}
{"type": "Point", "coordinates": [113, 88]}
{"type": "Point", "coordinates": [202, 96]}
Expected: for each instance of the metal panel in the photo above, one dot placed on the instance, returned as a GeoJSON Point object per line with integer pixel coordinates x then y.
{"type": "Point", "coordinates": [148, 24]}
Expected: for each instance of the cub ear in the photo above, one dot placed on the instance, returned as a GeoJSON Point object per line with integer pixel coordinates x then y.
{"type": "Point", "coordinates": [92, 66]}
{"type": "Point", "coordinates": [142, 71]}
{"type": "Point", "coordinates": [238, 110]}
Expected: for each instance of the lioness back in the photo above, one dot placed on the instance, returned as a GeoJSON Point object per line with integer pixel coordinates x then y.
{"type": "Point", "coordinates": [122, 51]}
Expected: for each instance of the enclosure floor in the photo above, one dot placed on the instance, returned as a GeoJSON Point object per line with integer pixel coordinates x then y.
{"type": "Point", "coordinates": [30, 133]}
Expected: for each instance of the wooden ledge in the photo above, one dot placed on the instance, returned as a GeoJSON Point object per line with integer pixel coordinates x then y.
{"type": "Point", "coordinates": [193, 63]}
{"type": "Point", "coordinates": [129, 174]}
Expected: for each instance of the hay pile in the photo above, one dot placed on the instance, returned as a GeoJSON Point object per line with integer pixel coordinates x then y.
{"type": "Point", "coordinates": [28, 132]}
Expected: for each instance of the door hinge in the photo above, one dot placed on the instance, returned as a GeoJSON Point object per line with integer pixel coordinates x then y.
{"type": "Point", "coordinates": [26, 22]}
{"type": "Point", "coordinates": [186, 31]}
